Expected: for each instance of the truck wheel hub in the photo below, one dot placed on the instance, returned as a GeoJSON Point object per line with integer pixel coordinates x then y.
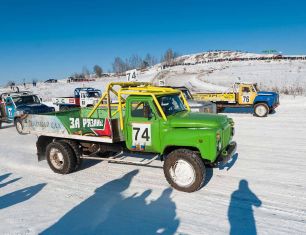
{"type": "Point", "coordinates": [57, 158]}
{"type": "Point", "coordinates": [182, 173]}
{"type": "Point", "coordinates": [261, 110]}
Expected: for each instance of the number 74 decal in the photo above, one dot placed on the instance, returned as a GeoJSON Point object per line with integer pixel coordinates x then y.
{"type": "Point", "coordinates": [141, 135]}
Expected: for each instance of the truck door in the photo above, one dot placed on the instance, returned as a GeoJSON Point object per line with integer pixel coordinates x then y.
{"type": "Point", "coordinates": [246, 94]}
{"type": "Point", "coordinates": [83, 99]}
{"type": "Point", "coordinates": [10, 108]}
{"type": "Point", "coordinates": [142, 125]}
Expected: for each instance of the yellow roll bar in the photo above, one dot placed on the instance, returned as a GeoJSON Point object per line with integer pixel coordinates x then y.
{"type": "Point", "coordinates": [134, 88]}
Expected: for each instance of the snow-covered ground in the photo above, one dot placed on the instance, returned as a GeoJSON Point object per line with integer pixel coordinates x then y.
{"type": "Point", "coordinates": [262, 189]}
{"type": "Point", "coordinates": [107, 198]}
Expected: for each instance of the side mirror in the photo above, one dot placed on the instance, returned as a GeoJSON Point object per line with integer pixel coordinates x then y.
{"type": "Point", "coordinates": [40, 99]}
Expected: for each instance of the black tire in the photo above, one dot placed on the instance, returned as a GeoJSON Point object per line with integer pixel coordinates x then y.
{"type": "Point", "coordinates": [220, 109]}
{"type": "Point", "coordinates": [64, 163]}
{"type": "Point", "coordinates": [0, 124]}
{"type": "Point", "coordinates": [76, 150]}
{"type": "Point", "coordinates": [194, 164]}
{"type": "Point", "coordinates": [261, 110]}
{"type": "Point", "coordinates": [19, 126]}
{"type": "Point", "coordinates": [271, 111]}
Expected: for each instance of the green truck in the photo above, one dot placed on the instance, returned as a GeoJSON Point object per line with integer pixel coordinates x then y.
{"type": "Point", "coordinates": [146, 120]}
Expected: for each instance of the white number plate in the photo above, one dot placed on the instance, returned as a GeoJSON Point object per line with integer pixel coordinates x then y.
{"type": "Point", "coordinates": [141, 134]}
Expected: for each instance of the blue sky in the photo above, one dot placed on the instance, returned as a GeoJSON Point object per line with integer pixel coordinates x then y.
{"type": "Point", "coordinates": [44, 39]}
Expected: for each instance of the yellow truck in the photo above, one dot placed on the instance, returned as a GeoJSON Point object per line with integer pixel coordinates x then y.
{"type": "Point", "coordinates": [243, 95]}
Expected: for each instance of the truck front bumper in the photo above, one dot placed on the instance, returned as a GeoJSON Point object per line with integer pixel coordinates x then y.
{"type": "Point", "coordinates": [227, 153]}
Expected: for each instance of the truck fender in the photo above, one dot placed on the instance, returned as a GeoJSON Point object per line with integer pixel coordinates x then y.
{"type": "Point", "coordinates": [41, 144]}
{"type": "Point", "coordinates": [262, 99]}
{"type": "Point", "coordinates": [170, 149]}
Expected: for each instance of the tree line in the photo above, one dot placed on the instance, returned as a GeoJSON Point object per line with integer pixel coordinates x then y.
{"type": "Point", "coordinates": [121, 65]}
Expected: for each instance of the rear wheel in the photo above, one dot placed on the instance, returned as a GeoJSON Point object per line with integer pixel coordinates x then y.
{"type": "Point", "coordinates": [61, 158]}
{"type": "Point", "coordinates": [76, 150]}
{"type": "Point", "coordinates": [261, 110]}
{"type": "Point", "coordinates": [19, 126]}
{"type": "Point", "coordinates": [184, 170]}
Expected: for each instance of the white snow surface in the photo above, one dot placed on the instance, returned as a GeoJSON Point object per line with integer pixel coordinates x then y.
{"type": "Point", "coordinates": [108, 198]}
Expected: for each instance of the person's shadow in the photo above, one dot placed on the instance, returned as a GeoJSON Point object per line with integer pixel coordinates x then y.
{"type": "Point", "coordinates": [19, 196]}
{"type": "Point", "coordinates": [109, 212]}
{"type": "Point", "coordinates": [240, 212]}
{"type": "Point", "coordinates": [3, 177]}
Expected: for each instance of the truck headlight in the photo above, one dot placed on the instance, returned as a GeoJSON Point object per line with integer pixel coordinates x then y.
{"type": "Point", "coordinates": [218, 136]}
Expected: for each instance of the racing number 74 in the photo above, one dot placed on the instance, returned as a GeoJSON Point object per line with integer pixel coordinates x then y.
{"type": "Point", "coordinates": [144, 135]}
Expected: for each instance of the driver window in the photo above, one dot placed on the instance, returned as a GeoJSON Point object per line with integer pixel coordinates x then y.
{"type": "Point", "coordinates": [246, 89]}
{"type": "Point", "coordinates": [8, 101]}
{"type": "Point", "coordinates": [140, 109]}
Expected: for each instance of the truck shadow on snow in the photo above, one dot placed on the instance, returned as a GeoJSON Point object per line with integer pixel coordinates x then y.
{"type": "Point", "coordinates": [240, 211]}
{"type": "Point", "coordinates": [107, 211]}
{"type": "Point", "coordinates": [229, 164]}
{"type": "Point", "coordinates": [18, 196]}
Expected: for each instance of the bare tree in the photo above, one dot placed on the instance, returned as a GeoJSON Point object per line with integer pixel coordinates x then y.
{"type": "Point", "coordinates": [134, 62]}
{"type": "Point", "coordinates": [85, 71]}
{"type": "Point", "coordinates": [149, 60]}
{"type": "Point", "coordinates": [98, 70]}
{"type": "Point", "coordinates": [119, 66]}
{"type": "Point", "coordinates": [169, 56]}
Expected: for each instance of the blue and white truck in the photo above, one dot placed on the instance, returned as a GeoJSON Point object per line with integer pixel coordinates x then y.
{"type": "Point", "coordinates": [83, 97]}
{"type": "Point", "coordinates": [14, 106]}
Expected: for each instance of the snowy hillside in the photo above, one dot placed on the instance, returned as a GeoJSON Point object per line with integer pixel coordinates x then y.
{"type": "Point", "coordinates": [282, 75]}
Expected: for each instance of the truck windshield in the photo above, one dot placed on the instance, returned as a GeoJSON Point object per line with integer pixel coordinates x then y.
{"type": "Point", "coordinates": [94, 94]}
{"type": "Point", "coordinates": [30, 99]}
{"type": "Point", "coordinates": [187, 94]}
{"type": "Point", "coordinates": [171, 104]}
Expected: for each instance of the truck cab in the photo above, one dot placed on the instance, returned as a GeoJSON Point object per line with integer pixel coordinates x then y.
{"type": "Point", "coordinates": [88, 96]}
{"type": "Point", "coordinates": [196, 105]}
{"type": "Point", "coordinates": [263, 102]}
{"type": "Point", "coordinates": [83, 97]}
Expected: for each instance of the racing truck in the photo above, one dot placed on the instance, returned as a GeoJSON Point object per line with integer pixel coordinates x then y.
{"type": "Point", "coordinates": [83, 97]}
{"type": "Point", "coordinates": [14, 106]}
{"type": "Point", "coordinates": [196, 105]}
{"type": "Point", "coordinates": [245, 95]}
{"type": "Point", "coordinates": [155, 122]}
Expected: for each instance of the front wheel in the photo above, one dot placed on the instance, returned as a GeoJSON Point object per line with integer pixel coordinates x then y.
{"type": "Point", "coordinates": [19, 126]}
{"type": "Point", "coordinates": [184, 170]}
{"type": "Point", "coordinates": [261, 110]}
